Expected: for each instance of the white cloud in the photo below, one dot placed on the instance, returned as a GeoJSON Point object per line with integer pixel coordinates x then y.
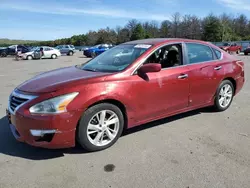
{"type": "Point", "coordinates": [99, 11]}
{"type": "Point", "coordinates": [236, 4]}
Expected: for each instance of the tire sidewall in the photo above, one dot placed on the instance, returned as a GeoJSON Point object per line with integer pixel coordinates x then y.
{"type": "Point", "coordinates": [29, 57]}
{"type": "Point", "coordinates": [83, 124]}
{"type": "Point", "coordinates": [217, 103]}
{"type": "Point", "coordinates": [54, 56]}
{"type": "Point", "coordinates": [3, 54]}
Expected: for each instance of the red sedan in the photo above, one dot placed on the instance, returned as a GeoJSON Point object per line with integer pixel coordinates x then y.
{"type": "Point", "coordinates": [128, 85]}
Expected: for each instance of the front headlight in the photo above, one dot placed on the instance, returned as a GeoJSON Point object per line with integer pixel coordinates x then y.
{"type": "Point", "coordinates": [53, 106]}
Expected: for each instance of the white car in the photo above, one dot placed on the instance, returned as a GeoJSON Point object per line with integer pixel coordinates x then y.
{"type": "Point", "coordinates": [49, 52]}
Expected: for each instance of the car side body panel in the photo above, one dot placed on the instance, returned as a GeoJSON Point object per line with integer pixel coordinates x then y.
{"type": "Point", "coordinates": [145, 98]}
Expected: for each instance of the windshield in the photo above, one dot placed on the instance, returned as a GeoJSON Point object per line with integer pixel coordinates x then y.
{"type": "Point", "coordinates": [59, 47]}
{"type": "Point", "coordinates": [116, 59]}
{"type": "Point", "coordinates": [34, 48]}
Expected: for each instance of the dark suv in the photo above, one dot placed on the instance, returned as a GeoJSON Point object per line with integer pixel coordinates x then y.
{"type": "Point", "coordinates": [12, 50]}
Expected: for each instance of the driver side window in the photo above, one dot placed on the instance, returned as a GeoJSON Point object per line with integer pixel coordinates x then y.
{"type": "Point", "coordinates": [168, 56]}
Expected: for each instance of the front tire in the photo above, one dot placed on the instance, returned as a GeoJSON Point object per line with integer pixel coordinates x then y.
{"type": "Point", "coordinates": [3, 54]}
{"type": "Point", "coordinates": [224, 95]}
{"type": "Point", "coordinates": [29, 57]}
{"type": "Point", "coordinates": [100, 127]}
{"type": "Point", "coordinates": [245, 53]}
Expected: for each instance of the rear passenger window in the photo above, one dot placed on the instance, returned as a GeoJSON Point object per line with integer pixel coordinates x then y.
{"type": "Point", "coordinates": [198, 53]}
{"type": "Point", "coordinates": [218, 53]}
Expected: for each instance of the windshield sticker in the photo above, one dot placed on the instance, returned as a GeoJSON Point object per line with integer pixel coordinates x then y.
{"type": "Point", "coordinates": [142, 46]}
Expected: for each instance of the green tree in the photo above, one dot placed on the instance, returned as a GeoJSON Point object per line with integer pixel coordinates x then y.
{"type": "Point", "coordinates": [164, 30]}
{"type": "Point", "coordinates": [138, 32]}
{"type": "Point", "coordinates": [212, 28]}
{"type": "Point", "coordinates": [123, 35]}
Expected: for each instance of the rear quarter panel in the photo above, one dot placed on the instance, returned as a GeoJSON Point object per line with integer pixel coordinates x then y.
{"type": "Point", "coordinates": [233, 68]}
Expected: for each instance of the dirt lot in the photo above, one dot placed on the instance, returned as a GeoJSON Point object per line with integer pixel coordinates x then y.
{"type": "Point", "coordinates": [196, 149]}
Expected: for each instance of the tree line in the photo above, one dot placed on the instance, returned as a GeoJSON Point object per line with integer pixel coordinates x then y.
{"type": "Point", "coordinates": [213, 28]}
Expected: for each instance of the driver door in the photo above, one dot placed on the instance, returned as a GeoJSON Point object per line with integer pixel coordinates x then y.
{"type": "Point", "coordinates": [161, 93]}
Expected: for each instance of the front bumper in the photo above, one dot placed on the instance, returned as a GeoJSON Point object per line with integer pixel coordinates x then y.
{"type": "Point", "coordinates": [87, 53]}
{"type": "Point", "coordinates": [52, 132]}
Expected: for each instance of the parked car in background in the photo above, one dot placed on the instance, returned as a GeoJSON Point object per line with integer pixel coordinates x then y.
{"type": "Point", "coordinates": [66, 49]}
{"type": "Point", "coordinates": [82, 48]}
{"type": "Point", "coordinates": [48, 52]}
{"type": "Point", "coordinates": [95, 102]}
{"type": "Point", "coordinates": [96, 50]}
{"type": "Point", "coordinates": [12, 50]}
{"type": "Point", "coordinates": [231, 47]}
{"type": "Point", "coordinates": [247, 49]}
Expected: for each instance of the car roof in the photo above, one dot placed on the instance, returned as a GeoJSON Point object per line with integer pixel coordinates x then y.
{"type": "Point", "coordinates": [154, 41]}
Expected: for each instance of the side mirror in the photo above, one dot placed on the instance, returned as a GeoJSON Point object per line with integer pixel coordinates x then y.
{"type": "Point", "coordinates": [150, 67]}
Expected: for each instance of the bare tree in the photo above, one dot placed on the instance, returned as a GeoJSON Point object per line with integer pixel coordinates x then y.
{"type": "Point", "coordinates": [176, 21]}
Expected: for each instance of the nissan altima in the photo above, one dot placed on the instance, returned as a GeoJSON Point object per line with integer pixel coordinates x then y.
{"type": "Point", "coordinates": [93, 103]}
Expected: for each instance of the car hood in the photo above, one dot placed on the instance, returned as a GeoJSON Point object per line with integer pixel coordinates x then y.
{"type": "Point", "coordinates": [56, 79]}
{"type": "Point", "coordinates": [2, 49]}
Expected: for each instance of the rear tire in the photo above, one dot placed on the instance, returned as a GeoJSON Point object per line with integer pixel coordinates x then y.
{"type": "Point", "coordinates": [245, 53]}
{"type": "Point", "coordinates": [224, 96]}
{"type": "Point", "coordinates": [54, 56]}
{"type": "Point", "coordinates": [91, 127]}
{"type": "Point", "coordinates": [70, 53]}
{"type": "Point", "coordinates": [238, 52]}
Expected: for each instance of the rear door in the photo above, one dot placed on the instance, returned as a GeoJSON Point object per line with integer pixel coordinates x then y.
{"type": "Point", "coordinates": [203, 73]}
{"type": "Point", "coordinates": [47, 52]}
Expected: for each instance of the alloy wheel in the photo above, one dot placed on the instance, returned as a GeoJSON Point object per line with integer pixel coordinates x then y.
{"type": "Point", "coordinates": [225, 95]}
{"type": "Point", "coordinates": [103, 127]}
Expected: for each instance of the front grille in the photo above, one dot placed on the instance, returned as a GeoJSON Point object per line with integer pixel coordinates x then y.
{"type": "Point", "coordinates": [16, 101]}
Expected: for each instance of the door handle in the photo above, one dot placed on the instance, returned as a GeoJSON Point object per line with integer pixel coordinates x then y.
{"type": "Point", "coordinates": [182, 76]}
{"type": "Point", "coordinates": [217, 68]}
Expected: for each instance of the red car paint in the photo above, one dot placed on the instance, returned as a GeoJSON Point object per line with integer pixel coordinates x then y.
{"type": "Point", "coordinates": [231, 47]}
{"type": "Point", "coordinates": [162, 95]}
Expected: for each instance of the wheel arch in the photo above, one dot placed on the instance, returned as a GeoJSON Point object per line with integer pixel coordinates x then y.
{"type": "Point", "coordinates": [233, 82]}
{"type": "Point", "coordinates": [117, 103]}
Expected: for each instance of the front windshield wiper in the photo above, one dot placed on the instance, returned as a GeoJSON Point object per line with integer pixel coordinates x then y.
{"type": "Point", "coordinates": [92, 70]}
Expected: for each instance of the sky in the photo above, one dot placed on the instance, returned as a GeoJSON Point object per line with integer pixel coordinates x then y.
{"type": "Point", "coordinates": [53, 19]}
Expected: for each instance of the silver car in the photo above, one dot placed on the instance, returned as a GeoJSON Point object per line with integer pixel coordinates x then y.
{"type": "Point", "coordinates": [48, 52]}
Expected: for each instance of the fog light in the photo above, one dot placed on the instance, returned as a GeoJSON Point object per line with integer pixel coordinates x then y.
{"type": "Point", "coordinates": [41, 132]}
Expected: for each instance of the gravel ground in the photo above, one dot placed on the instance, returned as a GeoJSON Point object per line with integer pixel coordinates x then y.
{"type": "Point", "coordinates": [196, 149]}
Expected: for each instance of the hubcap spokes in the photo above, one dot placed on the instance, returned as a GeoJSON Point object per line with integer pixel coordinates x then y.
{"type": "Point", "coordinates": [103, 128]}
{"type": "Point", "coordinates": [225, 95]}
